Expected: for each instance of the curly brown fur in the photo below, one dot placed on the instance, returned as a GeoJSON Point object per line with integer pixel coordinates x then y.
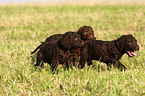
{"type": "Point", "coordinates": [54, 38]}
{"type": "Point", "coordinates": [59, 52]}
{"type": "Point", "coordinates": [108, 52]}
{"type": "Point", "coordinates": [85, 33]}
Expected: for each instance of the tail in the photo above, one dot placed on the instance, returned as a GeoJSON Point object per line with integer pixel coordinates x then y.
{"type": "Point", "coordinates": [37, 48]}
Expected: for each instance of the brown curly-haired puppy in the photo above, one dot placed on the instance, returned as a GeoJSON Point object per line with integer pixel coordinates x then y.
{"type": "Point", "coordinates": [85, 33]}
{"type": "Point", "coordinates": [108, 52]}
{"type": "Point", "coordinates": [59, 52]}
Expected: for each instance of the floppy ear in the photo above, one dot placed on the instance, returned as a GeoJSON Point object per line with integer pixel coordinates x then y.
{"type": "Point", "coordinates": [81, 32]}
{"type": "Point", "coordinates": [66, 41]}
{"type": "Point", "coordinates": [119, 45]}
{"type": "Point", "coordinates": [130, 37]}
{"type": "Point", "coordinates": [120, 42]}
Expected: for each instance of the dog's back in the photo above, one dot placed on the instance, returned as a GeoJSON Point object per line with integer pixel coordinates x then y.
{"type": "Point", "coordinates": [96, 48]}
{"type": "Point", "coordinates": [54, 38]}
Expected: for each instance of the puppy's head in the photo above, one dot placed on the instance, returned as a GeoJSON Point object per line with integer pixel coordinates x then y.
{"type": "Point", "coordinates": [86, 33]}
{"type": "Point", "coordinates": [77, 42]}
{"type": "Point", "coordinates": [71, 40]}
{"type": "Point", "coordinates": [129, 45]}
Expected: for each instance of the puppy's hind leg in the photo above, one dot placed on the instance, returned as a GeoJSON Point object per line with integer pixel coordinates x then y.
{"type": "Point", "coordinates": [54, 64]}
{"type": "Point", "coordinates": [69, 62]}
{"type": "Point", "coordinates": [39, 60]}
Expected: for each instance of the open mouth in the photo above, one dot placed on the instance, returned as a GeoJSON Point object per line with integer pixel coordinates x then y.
{"type": "Point", "coordinates": [131, 53]}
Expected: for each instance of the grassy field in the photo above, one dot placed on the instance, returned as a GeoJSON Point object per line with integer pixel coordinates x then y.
{"type": "Point", "coordinates": [22, 28]}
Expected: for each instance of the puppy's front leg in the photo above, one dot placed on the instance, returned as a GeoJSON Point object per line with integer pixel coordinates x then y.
{"type": "Point", "coordinates": [40, 58]}
{"type": "Point", "coordinates": [83, 59]}
{"type": "Point", "coordinates": [69, 62]}
{"type": "Point", "coordinates": [89, 62]}
{"type": "Point", "coordinates": [120, 66]}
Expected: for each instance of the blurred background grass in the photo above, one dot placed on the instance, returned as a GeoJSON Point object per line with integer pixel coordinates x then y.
{"type": "Point", "coordinates": [69, 2]}
{"type": "Point", "coordinates": [24, 26]}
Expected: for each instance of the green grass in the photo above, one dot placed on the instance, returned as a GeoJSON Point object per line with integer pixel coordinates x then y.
{"type": "Point", "coordinates": [22, 28]}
